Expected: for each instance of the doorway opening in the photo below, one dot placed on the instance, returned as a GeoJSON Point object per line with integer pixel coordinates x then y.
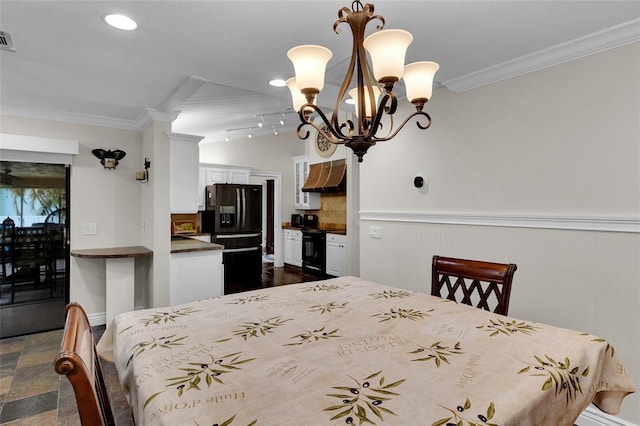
{"type": "Point", "coordinates": [34, 279]}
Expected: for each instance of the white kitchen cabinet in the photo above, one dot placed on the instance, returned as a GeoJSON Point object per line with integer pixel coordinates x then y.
{"type": "Point", "coordinates": [195, 275]}
{"type": "Point", "coordinates": [303, 200]}
{"type": "Point", "coordinates": [293, 247]}
{"type": "Point", "coordinates": [208, 175]}
{"type": "Point", "coordinates": [183, 172]}
{"type": "Point", "coordinates": [336, 255]}
{"type": "Point", "coordinates": [226, 175]}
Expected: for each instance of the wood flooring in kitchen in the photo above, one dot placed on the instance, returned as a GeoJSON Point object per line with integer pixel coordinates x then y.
{"type": "Point", "coordinates": [32, 393]}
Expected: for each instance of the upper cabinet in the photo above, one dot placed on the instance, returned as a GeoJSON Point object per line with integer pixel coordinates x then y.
{"type": "Point", "coordinates": [184, 157]}
{"type": "Point", "coordinates": [210, 174]}
{"type": "Point", "coordinates": [303, 200]}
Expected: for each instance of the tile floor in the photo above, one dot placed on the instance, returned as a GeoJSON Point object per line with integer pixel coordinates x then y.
{"type": "Point", "coordinates": [32, 393]}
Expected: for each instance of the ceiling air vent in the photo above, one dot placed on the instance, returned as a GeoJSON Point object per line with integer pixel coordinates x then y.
{"type": "Point", "coordinates": [6, 42]}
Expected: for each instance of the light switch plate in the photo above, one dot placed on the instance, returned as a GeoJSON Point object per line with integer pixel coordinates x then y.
{"type": "Point", "coordinates": [89, 229]}
{"type": "Point", "coordinates": [375, 231]}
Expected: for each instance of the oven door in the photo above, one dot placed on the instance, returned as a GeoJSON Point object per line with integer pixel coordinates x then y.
{"type": "Point", "coordinates": [314, 252]}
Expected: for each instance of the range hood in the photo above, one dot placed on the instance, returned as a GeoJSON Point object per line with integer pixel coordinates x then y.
{"type": "Point", "coordinates": [326, 177]}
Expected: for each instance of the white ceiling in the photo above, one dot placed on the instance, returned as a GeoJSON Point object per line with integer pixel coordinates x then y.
{"type": "Point", "coordinates": [212, 59]}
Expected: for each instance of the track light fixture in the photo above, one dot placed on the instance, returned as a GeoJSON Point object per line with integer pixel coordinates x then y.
{"type": "Point", "coordinates": [283, 120]}
{"type": "Point", "coordinates": [228, 137]}
{"type": "Point", "coordinates": [250, 135]}
{"type": "Point", "coordinates": [261, 122]}
{"type": "Point", "coordinates": [275, 132]}
{"type": "Point", "coordinates": [386, 49]}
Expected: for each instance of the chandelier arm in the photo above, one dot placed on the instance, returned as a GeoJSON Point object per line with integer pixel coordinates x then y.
{"type": "Point", "coordinates": [300, 133]}
{"type": "Point", "coordinates": [415, 114]}
{"type": "Point", "coordinates": [335, 135]}
{"type": "Point", "coordinates": [383, 108]}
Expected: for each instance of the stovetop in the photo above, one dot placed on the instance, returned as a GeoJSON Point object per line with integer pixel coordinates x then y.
{"type": "Point", "coordinates": [306, 230]}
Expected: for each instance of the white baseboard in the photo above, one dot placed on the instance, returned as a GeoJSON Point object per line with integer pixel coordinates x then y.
{"type": "Point", "coordinates": [594, 417]}
{"type": "Point", "coordinates": [97, 319]}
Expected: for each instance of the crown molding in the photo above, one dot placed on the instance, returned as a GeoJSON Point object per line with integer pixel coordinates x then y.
{"type": "Point", "coordinates": [146, 116]}
{"type": "Point", "coordinates": [74, 118]}
{"type": "Point", "coordinates": [619, 35]}
{"type": "Point", "coordinates": [576, 223]}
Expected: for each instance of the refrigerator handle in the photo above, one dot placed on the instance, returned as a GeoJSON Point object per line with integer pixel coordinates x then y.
{"type": "Point", "coordinates": [238, 206]}
{"type": "Point", "coordinates": [244, 208]}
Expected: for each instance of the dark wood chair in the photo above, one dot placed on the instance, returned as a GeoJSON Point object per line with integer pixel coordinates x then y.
{"type": "Point", "coordinates": [485, 285]}
{"type": "Point", "coordinates": [79, 361]}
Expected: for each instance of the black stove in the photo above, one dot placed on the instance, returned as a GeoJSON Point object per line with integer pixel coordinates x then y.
{"type": "Point", "coordinates": [314, 243]}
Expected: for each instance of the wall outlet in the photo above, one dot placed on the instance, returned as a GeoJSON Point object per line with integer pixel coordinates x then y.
{"type": "Point", "coordinates": [89, 229]}
{"type": "Point", "coordinates": [375, 231]}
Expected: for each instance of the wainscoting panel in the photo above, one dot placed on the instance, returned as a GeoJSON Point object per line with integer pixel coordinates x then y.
{"type": "Point", "coordinates": [584, 279]}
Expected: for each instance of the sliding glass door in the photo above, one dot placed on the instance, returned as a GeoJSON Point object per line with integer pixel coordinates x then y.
{"type": "Point", "coordinates": [34, 279]}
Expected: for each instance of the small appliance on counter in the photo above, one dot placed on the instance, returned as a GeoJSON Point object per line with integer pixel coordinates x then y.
{"type": "Point", "coordinates": [305, 221]}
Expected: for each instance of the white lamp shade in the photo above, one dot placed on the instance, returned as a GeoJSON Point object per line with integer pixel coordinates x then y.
{"type": "Point", "coordinates": [354, 94]}
{"type": "Point", "coordinates": [309, 62]}
{"type": "Point", "coordinates": [418, 79]}
{"type": "Point", "coordinates": [387, 49]}
{"type": "Point", "coordinates": [297, 98]}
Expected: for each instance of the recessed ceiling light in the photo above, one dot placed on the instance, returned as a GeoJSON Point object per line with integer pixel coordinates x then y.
{"type": "Point", "coordinates": [278, 82]}
{"type": "Point", "coordinates": [121, 22]}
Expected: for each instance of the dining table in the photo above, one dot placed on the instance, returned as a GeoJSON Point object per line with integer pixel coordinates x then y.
{"type": "Point", "coordinates": [346, 351]}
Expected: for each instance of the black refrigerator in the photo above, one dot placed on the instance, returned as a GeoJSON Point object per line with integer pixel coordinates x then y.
{"type": "Point", "coordinates": [233, 217]}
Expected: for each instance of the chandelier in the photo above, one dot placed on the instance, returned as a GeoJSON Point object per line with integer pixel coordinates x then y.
{"type": "Point", "coordinates": [373, 95]}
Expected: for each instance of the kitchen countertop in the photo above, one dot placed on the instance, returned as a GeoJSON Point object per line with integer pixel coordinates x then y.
{"type": "Point", "coordinates": [112, 252]}
{"type": "Point", "coordinates": [328, 229]}
{"type": "Point", "coordinates": [187, 244]}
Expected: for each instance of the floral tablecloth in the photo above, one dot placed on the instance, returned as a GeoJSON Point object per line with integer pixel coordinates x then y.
{"type": "Point", "coordinates": [350, 351]}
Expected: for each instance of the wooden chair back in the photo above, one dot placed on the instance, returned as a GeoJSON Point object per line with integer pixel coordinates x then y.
{"type": "Point", "coordinates": [485, 285]}
{"type": "Point", "coordinates": [79, 361]}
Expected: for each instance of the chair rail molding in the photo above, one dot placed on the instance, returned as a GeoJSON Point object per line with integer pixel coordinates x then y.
{"type": "Point", "coordinates": [579, 223]}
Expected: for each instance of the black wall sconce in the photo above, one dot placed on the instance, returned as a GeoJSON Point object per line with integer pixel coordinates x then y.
{"type": "Point", "coordinates": [109, 159]}
{"type": "Point", "coordinates": [143, 175]}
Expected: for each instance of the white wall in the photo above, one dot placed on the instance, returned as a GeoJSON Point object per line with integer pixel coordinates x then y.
{"type": "Point", "coordinates": [109, 198]}
{"type": "Point", "coordinates": [561, 147]}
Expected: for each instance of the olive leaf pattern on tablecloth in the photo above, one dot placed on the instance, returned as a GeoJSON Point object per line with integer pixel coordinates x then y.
{"type": "Point", "coordinates": [462, 415]}
{"type": "Point", "coordinates": [248, 299]}
{"type": "Point", "coordinates": [328, 307]}
{"type": "Point", "coordinates": [401, 313]}
{"type": "Point", "coordinates": [601, 340]}
{"type": "Point", "coordinates": [196, 374]}
{"type": "Point", "coordinates": [364, 399]}
{"type": "Point", "coordinates": [313, 336]}
{"type": "Point", "coordinates": [498, 326]}
{"type": "Point", "coordinates": [321, 287]}
{"type": "Point", "coordinates": [163, 317]}
{"type": "Point", "coordinates": [390, 294]}
{"type": "Point", "coordinates": [437, 352]}
{"type": "Point", "coordinates": [259, 327]}
{"type": "Point", "coordinates": [560, 376]}
{"type": "Point", "coordinates": [227, 422]}
{"type": "Point", "coordinates": [164, 342]}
